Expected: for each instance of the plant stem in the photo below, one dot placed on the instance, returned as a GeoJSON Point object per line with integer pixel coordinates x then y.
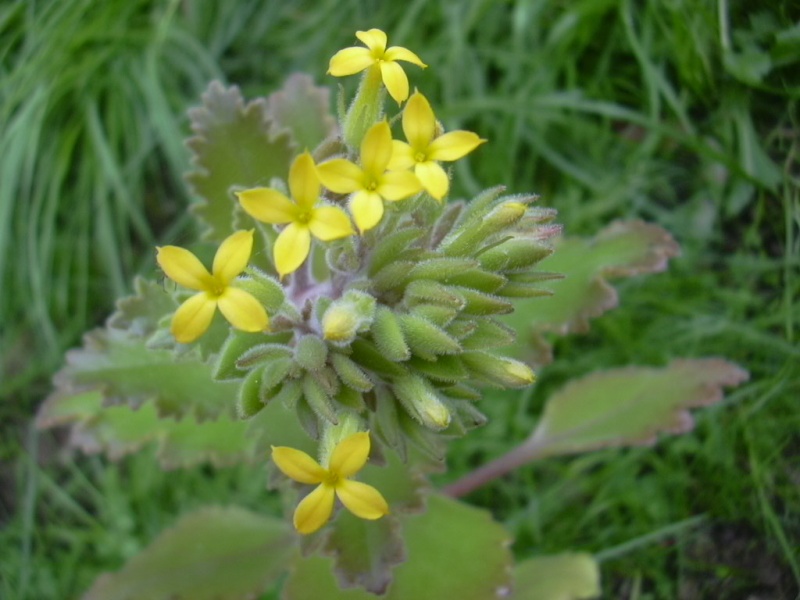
{"type": "Point", "coordinates": [493, 470]}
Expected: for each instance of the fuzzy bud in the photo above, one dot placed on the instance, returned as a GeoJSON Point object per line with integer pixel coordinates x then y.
{"type": "Point", "coordinates": [347, 316]}
{"type": "Point", "coordinates": [421, 402]}
{"type": "Point", "coordinates": [311, 352]}
{"type": "Point", "coordinates": [264, 288]}
{"type": "Point", "coordinates": [499, 370]}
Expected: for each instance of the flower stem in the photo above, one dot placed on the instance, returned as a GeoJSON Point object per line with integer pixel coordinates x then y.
{"type": "Point", "coordinates": [493, 470]}
{"type": "Point", "coordinates": [365, 110]}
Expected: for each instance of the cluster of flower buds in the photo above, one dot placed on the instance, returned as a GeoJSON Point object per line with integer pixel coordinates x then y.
{"type": "Point", "coordinates": [384, 315]}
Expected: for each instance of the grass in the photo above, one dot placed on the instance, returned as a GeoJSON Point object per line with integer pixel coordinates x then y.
{"type": "Point", "coordinates": [677, 112]}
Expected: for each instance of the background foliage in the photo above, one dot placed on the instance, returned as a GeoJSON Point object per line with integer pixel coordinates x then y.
{"type": "Point", "coordinates": [682, 113]}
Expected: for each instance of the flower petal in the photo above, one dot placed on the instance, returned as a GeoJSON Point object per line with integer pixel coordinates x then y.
{"type": "Point", "coordinates": [297, 465]}
{"type": "Point", "coordinates": [400, 53]}
{"type": "Point", "coordinates": [232, 256]}
{"type": "Point", "coordinates": [374, 39]}
{"type": "Point", "coordinates": [453, 145]}
{"type": "Point", "coordinates": [376, 149]}
{"type": "Point", "coordinates": [267, 205]}
{"type": "Point", "coordinates": [367, 209]}
{"type": "Point", "coordinates": [350, 61]}
{"type": "Point", "coordinates": [395, 80]}
{"type": "Point", "coordinates": [330, 223]}
{"type": "Point", "coordinates": [362, 500]}
{"type": "Point", "coordinates": [303, 181]}
{"type": "Point", "coordinates": [433, 178]}
{"type": "Point", "coordinates": [184, 268]}
{"type": "Point", "coordinates": [193, 317]}
{"type": "Point", "coordinates": [419, 123]}
{"type": "Point", "coordinates": [242, 310]}
{"type": "Point", "coordinates": [314, 510]}
{"type": "Point", "coordinates": [291, 248]}
{"type": "Point", "coordinates": [402, 156]}
{"type": "Point", "coordinates": [350, 455]}
{"type": "Point", "coordinates": [341, 176]}
{"type": "Point", "coordinates": [396, 185]}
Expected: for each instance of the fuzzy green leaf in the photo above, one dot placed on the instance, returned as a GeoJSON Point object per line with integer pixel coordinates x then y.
{"type": "Point", "coordinates": [454, 551]}
{"type": "Point", "coordinates": [141, 313]}
{"type": "Point", "coordinates": [302, 109]}
{"type": "Point", "coordinates": [125, 371]}
{"type": "Point", "coordinates": [623, 249]}
{"type": "Point", "coordinates": [629, 406]}
{"type": "Point", "coordinates": [560, 577]}
{"type": "Point", "coordinates": [234, 145]}
{"type": "Point", "coordinates": [211, 554]}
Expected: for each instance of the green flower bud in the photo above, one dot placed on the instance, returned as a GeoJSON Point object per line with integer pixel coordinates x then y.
{"type": "Point", "coordinates": [480, 303]}
{"type": "Point", "coordinates": [421, 402]}
{"type": "Point", "coordinates": [264, 288]}
{"type": "Point", "coordinates": [273, 374]}
{"type": "Point", "coordinates": [311, 352]}
{"type": "Point", "coordinates": [472, 237]}
{"type": "Point", "coordinates": [426, 339]}
{"type": "Point", "coordinates": [319, 401]}
{"type": "Point", "coordinates": [515, 254]}
{"type": "Point", "coordinates": [389, 248]}
{"type": "Point", "coordinates": [236, 343]}
{"type": "Point", "coordinates": [248, 400]}
{"type": "Point", "coordinates": [350, 373]}
{"type": "Point", "coordinates": [290, 393]}
{"type": "Point", "coordinates": [347, 316]}
{"type": "Point", "coordinates": [499, 370]}
{"type": "Point", "coordinates": [262, 353]}
{"type": "Point", "coordinates": [388, 335]}
{"type": "Point", "coordinates": [432, 292]}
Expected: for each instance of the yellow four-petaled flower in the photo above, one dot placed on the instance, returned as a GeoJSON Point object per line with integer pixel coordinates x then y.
{"type": "Point", "coordinates": [423, 150]}
{"type": "Point", "coordinates": [347, 458]}
{"type": "Point", "coordinates": [369, 183]}
{"type": "Point", "coordinates": [194, 316]}
{"type": "Point", "coordinates": [303, 217]}
{"type": "Point", "coordinates": [376, 55]}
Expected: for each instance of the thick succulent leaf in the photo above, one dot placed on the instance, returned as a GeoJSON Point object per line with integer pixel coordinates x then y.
{"type": "Point", "coordinates": [454, 551]}
{"type": "Point", "coordinates": [623, 249]}
{"type": "Point", "coordinates": [126, 371]}
{"type": "Point", "coordinates": [629, 406]}
{"type": "Point", "coordinates": [234, 145]}
{"type": "Point", "coordinates": [302, 109]}
{"type": "Point", "coordinates": [211, 554]}
{"type": "Point", "coordinates": [561, 577]}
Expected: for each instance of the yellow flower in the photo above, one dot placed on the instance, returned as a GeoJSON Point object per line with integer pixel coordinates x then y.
{"type": "Point", "coordinates": [423, 151]}
{"type": "Point", "coordinates": [304, 216]}
{"type": "Point", "coordinates": [370, 184]}
{"type": "Point", "coordinates": [194, 316]}
{"type": "Point", "coordinates": [354, 60]}
{"type": "Point", "coordinates": [347, 458]}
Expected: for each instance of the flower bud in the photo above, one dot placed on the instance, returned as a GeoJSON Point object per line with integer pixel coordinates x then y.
{"type": "Point", "coordinates": [421, 402]}
{"type": "Point", "coordinates": [263, 287]}
{"type": "Point", "coordinates": [388, 335]}
{"type": "Point", "coordinates": [347, 316]}
{"type": "Point", "coordinates": [499, 370]}
{"type": "Point", "coordinates": [311, 352]}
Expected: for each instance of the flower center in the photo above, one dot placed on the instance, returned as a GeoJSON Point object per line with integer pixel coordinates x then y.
{"type": "Point", "coordinates": [420, 156]}
{"type": "Point", "coordinates": [372, 185]}
{"type": "Point", "coordinates": [331, 479]}
{"type": "Point", "coordinates": [216, 288]}
{"type": "Point", "coordinates": [303, 217]}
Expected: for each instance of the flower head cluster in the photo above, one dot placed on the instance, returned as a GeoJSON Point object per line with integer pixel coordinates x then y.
{"type": "Point", "coordinates": [347, 459]}
{"type": "Point", "coordinates": [214, 289]}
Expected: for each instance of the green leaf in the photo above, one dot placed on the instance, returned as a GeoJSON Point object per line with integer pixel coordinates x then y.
{"type": "Point", "coordinates": [126, 371]}
{"type": "Point", "coordinates": [623, 249]}
{"type": "Point", "coordinates": [141, 313]}
{"type": "Point", "coordinates": [629, 406]}
{"type": "Point", "coordinates": [211, 554]}
{"type": "Point", "coordinates": [454, 551]}
{"type": "Point", "coordinates": [561, 577]}
{"type": "Point", "coordinates": [234, 145]}
{"type": "Point", "coordinates": [302, 109]}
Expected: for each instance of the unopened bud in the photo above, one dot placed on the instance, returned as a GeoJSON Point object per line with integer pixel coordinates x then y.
{"type": "Point", "coordinates": [421, 402]}
{"type": "Point", "coordinates": [311, 352]}
{"type": "Point", "coordinates": [499, 370]}
{"type": "Point", "coordinates": [347, 316]}
{"type": "Point", "coordinates": [263, 287]}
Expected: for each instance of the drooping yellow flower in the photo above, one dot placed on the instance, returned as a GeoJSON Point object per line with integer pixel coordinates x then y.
{"type": "Point", "coordinates": [347, 458]}
{"type": "Point", "coordinates": [423, 151]}
{"type": "Point", "coordinates": [304, 216]}
{"type": "Point", "coordinates": [376, 55]}
{"type": "Point", "coordinates": [370, 183]}
{"type": "Point", "coordinates": [194, 316]}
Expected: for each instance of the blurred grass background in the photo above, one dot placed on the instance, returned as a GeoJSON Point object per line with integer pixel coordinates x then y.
{"type": "Point", "coordinates": [679, 112]}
